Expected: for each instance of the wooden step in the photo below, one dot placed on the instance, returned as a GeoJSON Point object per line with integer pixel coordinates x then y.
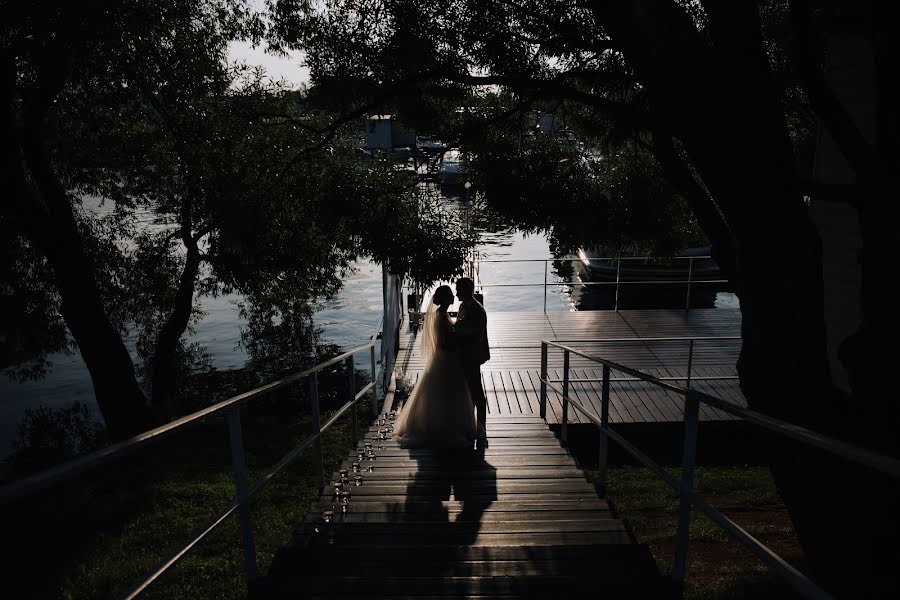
{"type": "Point", "coordinates": [560, 515]}
{"type": "Point", "coordinates": [517, 519]}
{"type": "Point", "coordinates": [609, 571]}
{"type": "Point", "coordinates": [440, 488]}
{"type": "Point", "coordinates": [454, 507]}
{"type": "Point", "coordinates": [497, 461]}
{"type": "Point", "coordinates": [488, 452]}
{"type": "Point", "coordinates": [408, 474]}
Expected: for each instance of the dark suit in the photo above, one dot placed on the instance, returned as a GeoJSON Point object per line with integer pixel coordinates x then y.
{"type": "Point", "coordinates": [470, 335]}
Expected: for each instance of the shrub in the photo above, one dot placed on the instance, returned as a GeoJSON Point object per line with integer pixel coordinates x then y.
{"type": "Point", "coordinates": [49, 436]}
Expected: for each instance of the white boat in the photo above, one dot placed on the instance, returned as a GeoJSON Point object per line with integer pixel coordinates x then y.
{"type": "Point", "coordinates": [429, 145]}
{"type": "Point", "coordinates": [451, 167]}
{"type": "Point", "coordinates": [597, 264]}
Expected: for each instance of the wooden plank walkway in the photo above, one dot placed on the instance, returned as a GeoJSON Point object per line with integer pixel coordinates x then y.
{"type": "Point", "coordinates": [514, 519]}
{"type": "Point", "coordinates": [511, 378]}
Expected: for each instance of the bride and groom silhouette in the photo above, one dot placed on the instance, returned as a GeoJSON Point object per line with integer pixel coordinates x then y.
{"type": "Point", "coordinates": [439, 411]}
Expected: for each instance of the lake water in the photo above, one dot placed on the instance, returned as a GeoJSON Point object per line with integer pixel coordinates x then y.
{"type": "Point", "coordinates": [347, 320]}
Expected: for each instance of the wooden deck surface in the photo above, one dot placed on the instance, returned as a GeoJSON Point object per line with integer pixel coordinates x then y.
{"type": "Point", "coordinates": [511, 377]}
{"type": "Point", "coordinates": [513, 520]}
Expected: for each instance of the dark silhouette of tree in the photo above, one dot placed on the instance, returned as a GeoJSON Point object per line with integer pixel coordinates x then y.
{"type": "Point", "coordinates": [134, 104]}
{"type": "Point", "coordinates": [722, 95]}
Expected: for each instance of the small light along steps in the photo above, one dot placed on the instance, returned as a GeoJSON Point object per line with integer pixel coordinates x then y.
{"type": "Point", "coordinates": [517, 519]}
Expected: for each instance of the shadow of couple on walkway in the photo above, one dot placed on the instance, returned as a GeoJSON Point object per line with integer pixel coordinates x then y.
{"type": "Point", "coordinates": [450, 491]}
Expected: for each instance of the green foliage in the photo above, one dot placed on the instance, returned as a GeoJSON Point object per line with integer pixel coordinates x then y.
{"type": "Point", "coordinates": [190, 177]}
{"type": "Point", "coordinates": [119, 522]}
{"type": "Point", "coordinates": [30, 325]}
{"type": "Point", "coordinates": [434, 63]}
{"type": "Point", "coordinates": [717, 567]}
{"type": "Point", "coordinates": [619, 201]}
{"type": "Point", "coordinates": [474, 73]}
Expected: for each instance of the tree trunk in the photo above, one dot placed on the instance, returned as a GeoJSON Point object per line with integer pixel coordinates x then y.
{"type": "Point", "coordinates": [164, 365]}
{"type": "Point", "coordinates": [870, 355]}
{"type": "Point", "coordinates": [39, 203]}
{"type": "Point", "coordinates": [705, 209]}
{"type": "Point", "coordinates": [720, 101]}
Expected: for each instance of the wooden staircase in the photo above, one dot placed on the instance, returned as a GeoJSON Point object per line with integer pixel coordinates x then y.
{"type": "Point", "coordinates": [517, 519]}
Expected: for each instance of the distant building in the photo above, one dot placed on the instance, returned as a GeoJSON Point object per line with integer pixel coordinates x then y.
{"type": "Point", "coordinates": [385, 131]}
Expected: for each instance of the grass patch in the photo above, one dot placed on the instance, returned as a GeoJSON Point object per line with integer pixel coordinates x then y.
{"type": "Point", "coordinates": [718, 566]}
{"type": "Point", "coordinates": [95, 537]}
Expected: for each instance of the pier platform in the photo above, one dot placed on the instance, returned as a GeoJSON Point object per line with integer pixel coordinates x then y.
{"type": "Point", "coordinates": [636, 338]}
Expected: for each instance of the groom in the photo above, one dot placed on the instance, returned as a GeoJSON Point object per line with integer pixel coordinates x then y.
{"type": "Point", "coordinates": [471, 338]}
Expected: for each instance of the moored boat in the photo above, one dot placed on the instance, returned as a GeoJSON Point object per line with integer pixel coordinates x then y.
{"type": "Point", "coordinates": [451, 167]}
{"type": "Point", "coordinates": [694, 263]}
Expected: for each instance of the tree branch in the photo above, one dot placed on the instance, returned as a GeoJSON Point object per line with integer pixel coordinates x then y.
{"type": "Point", "coordinates": [705, 209]}
{"type": "Point", "coordinates": [614, 109]}
{"type": "Point", "coordinates": [853, 145]}
{"type": "Point", "coordinates": [328, 132]}
{"type": "Point", "coordinates": [163, 365]}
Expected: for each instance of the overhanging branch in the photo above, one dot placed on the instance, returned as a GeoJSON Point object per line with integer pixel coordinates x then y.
{"type": "Point", "coordinates": [618, 110]}
{"type": "Point", "coordinates": [853, 145]}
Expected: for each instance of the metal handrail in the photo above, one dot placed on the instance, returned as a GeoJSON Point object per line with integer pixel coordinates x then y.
{"type": "Point", "coordinates": [66, 471]}
{"type": "Point", "coordinates": [595, 380]}
{"type": "Point", "coordinates": [690, 281]}
{"type": "Point", "coordinates": [619, 340]}
{"type": "Point", "coordinates": [244, 492]}
{"type": "Point", "coordinates": [693, 399]}
{"type": "Point", "coordinates": [699, 257]}
{"type": "Point", "coordinates": [590, 283]}
{"type": "Point", "coordinates": [690, 358]}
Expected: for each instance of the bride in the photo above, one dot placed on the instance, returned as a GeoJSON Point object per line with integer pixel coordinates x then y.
{"type": "Point", "coordinates": [438, 412]}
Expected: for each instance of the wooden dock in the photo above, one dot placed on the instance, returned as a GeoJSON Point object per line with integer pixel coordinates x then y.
{"type": "Point", "coordinates": [517, 519]}
{"type": "Point", "coordinates": [511, 378]}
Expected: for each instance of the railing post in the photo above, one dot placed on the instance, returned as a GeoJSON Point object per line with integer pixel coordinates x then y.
{"type": "Point", "coordinates": [565, 405]}
{"type": "Point", "coordinates": [240, 486]}
{"type": "Point", "coordinates": [604, 430]}
{"type": "Point", "coordinates": [351, 394]}
{"type": "Point", "coordinates": [318, 460]}
{"type": "Point", "coordinates": [545, 287]}
{"type": "Point", "coordinates": [618, 272]}
{"type": "Point", "coordinates": [687, 304]}
{"type": "Point", "coordinates": [690, 362]}
{"type": "Point", "coordinates": [691, 420]}
{"type": "Point", "coordinates": [544, 380]}
{"type": "Point", "coordinates": [374, 380]}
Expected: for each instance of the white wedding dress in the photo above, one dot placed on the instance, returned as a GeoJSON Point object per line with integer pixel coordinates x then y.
{"type": "Point", "coordinates": [439, 411]}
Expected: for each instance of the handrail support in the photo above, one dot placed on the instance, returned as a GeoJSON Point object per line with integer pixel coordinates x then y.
{"type": "Point", "coordinates": [543, 400]}
{"type": "Point", "coordinates": [618, 279]}
{"type": "Point", "coordinates": [690, 363]}
{"type": "Point", "coordinates": [545, 287]}
{"type": "Point", "coordinates": [236, 440]}
{"type": "Point", "coordinates": [351, 395]}
{"type": "Point", "coordinates": [687, 303]}
{"type": "Point", "coordinates": [603, 450]}
{"type": "Point", "coordinates": [565, 399]}
{"type": "Point", "coordinates": [318, 458]}
{"type": "Point", "coordinates": [691, 421]}
{"type": "Point", "coordinates": [374, 380]}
